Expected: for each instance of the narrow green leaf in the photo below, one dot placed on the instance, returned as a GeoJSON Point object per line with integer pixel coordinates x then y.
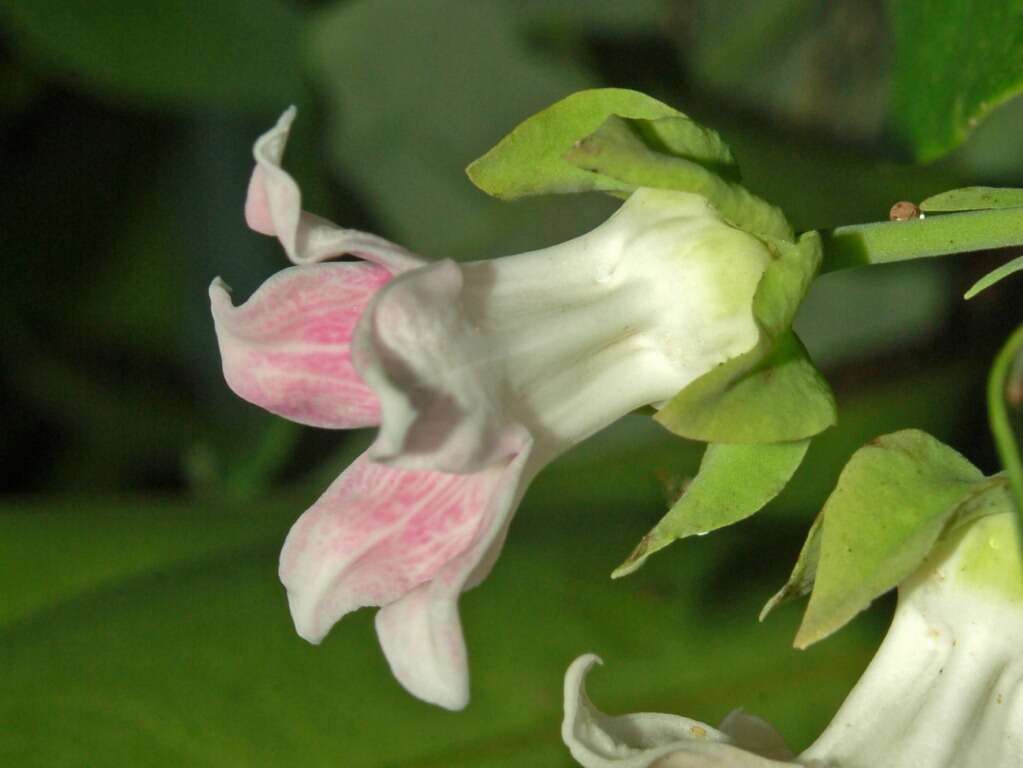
{"type": "Point", "coordinates": [782, 397]}
{"type": "Point", "coordinates": [531, 159]}
{"type": "Point", "coordinates": [955, 61]}
{"type": "Point", "coordinates": [973, 199]}
{"type": "Point", "coordinates": [1001, 389]}
{"type": "Point", "coordinates": [734, 482]}
{"type": "Point", "coordinates": [995, 276]}
{"type": "Point", "coordinates": [236, 53]}
{"type": "Point", "coordinates": [803, 574]}
{"type": "Point", "coordinates": [891, 503]}
{"type": "Point", "coordinates": [616, 150]}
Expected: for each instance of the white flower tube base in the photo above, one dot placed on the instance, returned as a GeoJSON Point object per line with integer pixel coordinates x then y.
{"type": "Point", "coordinates": [943, 690]}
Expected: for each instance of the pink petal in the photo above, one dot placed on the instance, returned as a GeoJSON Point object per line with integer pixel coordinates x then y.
{"type": "Point", "coordinates": [274, 207]}
{"type": "Point", "coordinates": [288, 348]}
{"type": "Point", "coordinates": [409, 541]}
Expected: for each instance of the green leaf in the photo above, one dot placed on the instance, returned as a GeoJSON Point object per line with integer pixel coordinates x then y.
{"type": "Point", "coordinates": [772, 393]}
{"type": "Point", "coordinates": [617, 150]}
{"type": "Point", "coordinates": [1003, 387]}
{"type": "Point", "coordinates": [955, 61]}
{"type": "Point", "coordinates": [531, 159]}
{"type": "Point", "coordinates": [973, 199]}
{"type": "Point", "coordinates": [236, 53]}
{"type": "Point", "coordinates": [734, 482]}
{"type": "Point", "coordinates": [995, 276]}
{"type": "Point", "coordinates": [892, 502]}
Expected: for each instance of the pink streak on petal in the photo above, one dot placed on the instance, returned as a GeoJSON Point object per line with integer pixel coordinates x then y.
{"type": "Point", "coordinates": [288, 348]}
{"type": "Point", "coordinates": [257, 205]}
{"type": "Point", "coordinates": [376, 534]}
{"type": "Point", "coordinates": [421, 634]}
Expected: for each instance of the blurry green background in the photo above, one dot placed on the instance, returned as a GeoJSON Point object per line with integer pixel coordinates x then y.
{"type": "Point", "coordinates": [141, 622]}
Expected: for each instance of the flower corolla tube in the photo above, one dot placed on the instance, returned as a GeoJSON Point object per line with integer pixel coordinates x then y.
{"type": "Point", "coordinates": [943, 691]}
{"type": "Point", "coordinates": [477, 374]}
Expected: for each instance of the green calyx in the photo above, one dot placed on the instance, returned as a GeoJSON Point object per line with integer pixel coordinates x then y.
{"type": "Point", "coordinates": [617, 141]}
{"type": "Point", "coordinates": [900, 503]}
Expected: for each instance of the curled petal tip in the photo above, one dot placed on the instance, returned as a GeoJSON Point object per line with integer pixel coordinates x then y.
{"type": "Point", "coordinates": [219, 290]}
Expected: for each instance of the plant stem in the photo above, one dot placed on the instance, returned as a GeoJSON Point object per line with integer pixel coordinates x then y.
{"type": "Point", "coordinates": [999, 418]}
{"type": "Point", "coordinates": [882, 242]}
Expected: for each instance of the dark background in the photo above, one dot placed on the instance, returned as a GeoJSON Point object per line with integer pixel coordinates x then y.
{"type": "Point", "coordinates": [140, 618]}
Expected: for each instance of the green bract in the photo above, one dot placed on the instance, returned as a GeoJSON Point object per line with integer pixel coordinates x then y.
{"type": "Point", "coordinates": [734, 482]}
{"type": "Point", "coordinates": [893, 501]}
{"type": "Point", "coordinates": [531, 159]}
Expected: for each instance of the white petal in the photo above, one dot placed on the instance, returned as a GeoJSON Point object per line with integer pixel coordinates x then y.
{"type": "Point", "coordinates": [274, 207]}
{"type": "Point", "coordinates": [644, 740]}
{"type": "Point", "coordinates": [560, 342]}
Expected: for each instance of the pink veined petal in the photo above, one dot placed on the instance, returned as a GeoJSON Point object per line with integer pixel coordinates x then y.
{"type": "Point", "coordinates": [288, 348]}
{"type": "Point", "coordinates": [274, 207]}
{"type": "Point", "coordinates": [421, 634]}
{"type": "Point", "coordinates": [406, 540]}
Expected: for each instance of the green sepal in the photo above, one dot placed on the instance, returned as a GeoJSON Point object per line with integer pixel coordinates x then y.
{"type": "Point", "coordinates": [531, 159]}
{"type": "Point", "coordinates": [618, 150]}
{"type": "Point", "coordinates": [993, 500]}
{"type": "Point", "coordinates": [772, 393]}
{"type": "Point", "coordinates": [734, 482]}
{"type": "Point", "coordinates": [892, 502]}
{"type": "Point", "coordinates": [803, 574]}
{"type": "Point", "coordinates": [973, 199]}
{"type": "Point", "coordinates": [995, 276]}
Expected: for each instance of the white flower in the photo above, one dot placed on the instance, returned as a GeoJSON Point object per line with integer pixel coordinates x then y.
{"type": "Point", "coordinates": [478, 375]}
{"type": "Point", "coordinates": [943, 690]}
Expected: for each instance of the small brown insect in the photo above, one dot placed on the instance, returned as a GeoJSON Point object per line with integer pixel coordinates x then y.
{"type": "Point", "coordinates": [904, 211]}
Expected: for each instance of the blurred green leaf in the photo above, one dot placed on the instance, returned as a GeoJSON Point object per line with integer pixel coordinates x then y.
{"type": "Point", "coordinates": [890, 505]}
{"type": "Point", "coordinates": [973, 199]}
{"type": "Point", "coordinates": [184, 53]}
{"type": "Point", "coordinates": [955, 61]}
{"type": "Point", "coordinates": [55, 550]}
{"type": "Point", "coordinates": [416, 91]}
{"type": "Point", "coordinates": [195, 660]}
{"type": "Point", "coordinates": [801, 63]}
{"type": "Point", "coordinates": [734, 482]}
{"type": "Point", "coordinates": [995, 276]}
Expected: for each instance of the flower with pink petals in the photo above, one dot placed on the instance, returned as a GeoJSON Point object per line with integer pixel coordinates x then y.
{"type": "Point", "coordinates": [478, 375]}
